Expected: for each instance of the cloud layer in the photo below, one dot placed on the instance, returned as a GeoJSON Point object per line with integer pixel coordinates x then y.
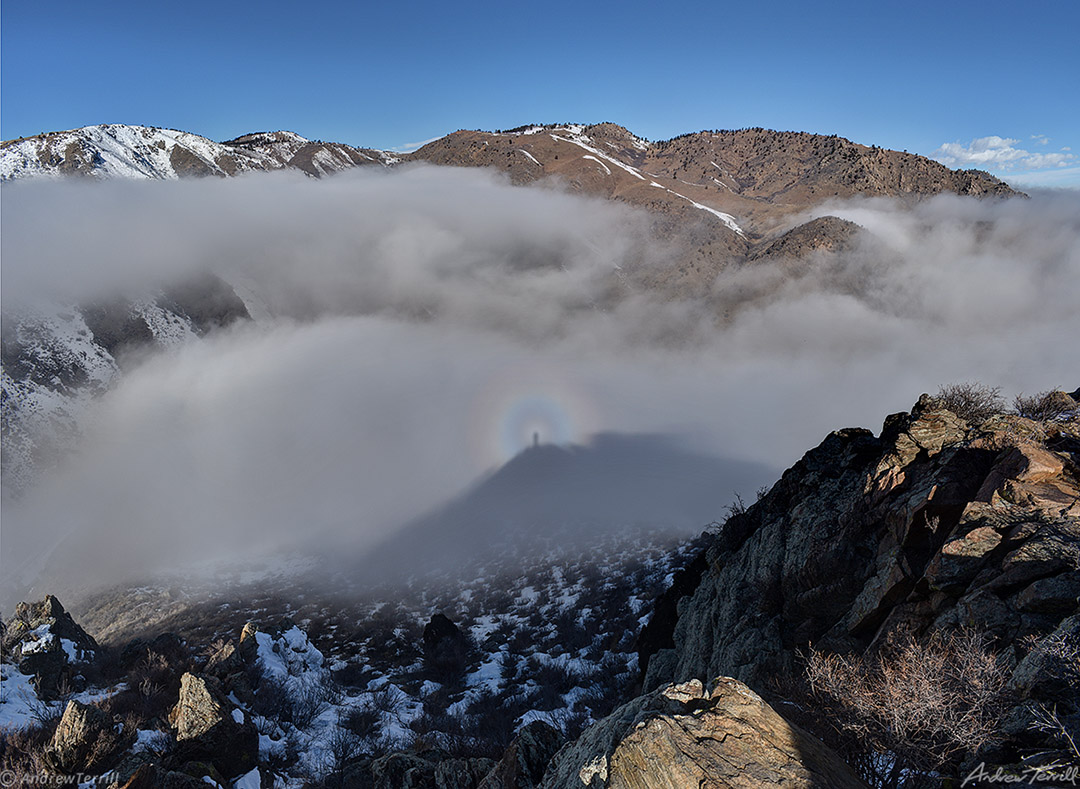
{"type": "Point", "coordinates": [1000, 154]}
{"type": "Point", "coordinates": [403, 319]}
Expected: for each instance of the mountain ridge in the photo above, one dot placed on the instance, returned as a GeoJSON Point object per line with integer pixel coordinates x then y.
{"type": "Point", "coordinates": [719, 195]}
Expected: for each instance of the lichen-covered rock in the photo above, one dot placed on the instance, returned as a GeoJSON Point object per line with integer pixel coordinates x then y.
{"type": "Point", "coordinates": [523, 763]}
{"type": "Point", "coordinates": [209, 727]}
{"type": "Point", "coordinates": [85, 741]}
{"type": "Point", "coordinates": [682, 737]}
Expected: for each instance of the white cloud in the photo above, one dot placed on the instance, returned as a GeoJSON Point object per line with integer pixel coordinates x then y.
{"type": "Point", "coordinates": [999, 153]}
{"type": "Point", "coordinates": [1059, 178]}
{"type": "Point", "coordinates": [1040, 139]}
{"type": "Point", "coordinates": [409, 147]}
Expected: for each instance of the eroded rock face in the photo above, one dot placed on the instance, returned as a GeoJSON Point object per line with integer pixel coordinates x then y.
{"type": "Point", "coordinates": [683, 736]}
{"type": "Point", "coordinates": [209, 727]}
{"type": "Point", "coordinates": [934, 524]}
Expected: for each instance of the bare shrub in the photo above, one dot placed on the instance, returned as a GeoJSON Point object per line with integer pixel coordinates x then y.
{"type": "Point", "coordinates": [363, 721]}
{"type": "Point", "coordinates": [46, 713]}
{"type": "Point", "coordinates": [1059, 654]}
{"type": "Point", "coordinates": [388, 701]}
{"type": "Point", "coordinates": [140, 705]}
{"type": "Point", "coordinates": [306, 702]}
{"type": "Point", "coordinates": [971, 401]}
{"type": "Point", "coordinates": [22, 752]}
{"type": "Point", "coordinates": [923, 706]}
{"type": "Point", "coordinates": [271, 698]}
{"type": "Point", "coordinates": [1045, 406]}
{"type": "Point", "coordinates": [343, 747]}
{"type": "Point", "coordinates": [570, 722]}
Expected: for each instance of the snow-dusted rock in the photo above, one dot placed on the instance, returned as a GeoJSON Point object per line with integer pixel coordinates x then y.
{"type": "Point", "coordinates": [206, 728]}
{"type": "Point", "coordinates": [43, 640]}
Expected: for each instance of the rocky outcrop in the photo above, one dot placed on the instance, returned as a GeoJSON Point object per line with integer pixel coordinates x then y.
{"type": "Point", "coordinates": [43, 640]}
{"type": "Point", "coordinates": [431, 769]}
{"type": "Point", "coordinates": [209, 727]}
{"type": "Point", "coordinates": [525, 760]}
{"type": "Point", "coordinates": [446, 648]}
{"type": "Point", "coordinates": [683, 736]}
{"type": "Point", "coordinates": [150, 776]}
{"type": "Point", "coordinates": [936, 525]}
{"type": "Point", "coordinates": [824, 234]}
{"type": "Point", "coordinates": [85, 741]}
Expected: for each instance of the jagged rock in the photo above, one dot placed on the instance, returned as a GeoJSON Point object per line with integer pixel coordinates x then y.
{"type": "Point", "coordinates": [461, 773]}
{"type": "Point", "coordinates": [85, 741]}
{"type": "Point", "coordinates": [446, 648]}
{"type": "Point", "coordinates": [209, 727]}
{"type": "Point", "coordinates": [523, 763]}
{"type": "Point", "coordinates": [934, 427]}
{"type": "Point", "coordinates": [168, 645]}
{"type": "Point", "coordinates": [432, 769]}
{"type": "Point", "coordinates": [682, 736]}
{"type": "Point", "coordinates": [1022, 463]}
{"type": "Point", "coordinates": [248, 648]}
{"type": "Point", "coordinates": [1056, 595]}
{"type": "Point", "coordinates": [402, 771]}
{"type": "Point", "coordinates": [150, 776]}
{"type": "Point", "coordinates": [933, 525]}
{"type": "Point", "coordinates": [43, 640]}
{"type": "Point", "coordinates": [960, 560]}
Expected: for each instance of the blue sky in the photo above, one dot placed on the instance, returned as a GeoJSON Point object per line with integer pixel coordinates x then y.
{"type": "Point", "coordinates": [995, 82]}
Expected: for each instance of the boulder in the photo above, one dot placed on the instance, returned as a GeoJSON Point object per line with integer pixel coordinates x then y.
{"type": "Point", "coordinates": [430, 769]}
{"type": "Point", "coordinates": [1058, 595]}
{"type": "Point", "coordinates": [446, 648]}
{"type": "Point", "coordinates": [524, 761]}
{"type": "Point", "coordinates": [150, 776]}
{"type": "Point", "coordinates": [402, 770]}
{"type": "Point", "coordinates": [1023, 463]}
{"type": "Point", "coordinates": [44, 641]}
{"type": "Point", "coordinates": [461, 773]}
{"type": "Point", "coordinates": [683, 736]}
{"type": "Point", "coordinates": [85, 741]}
{"type": "Point", "coordinates": [168, 645]}
{"type": "Point", "coordinates": [210, 728]}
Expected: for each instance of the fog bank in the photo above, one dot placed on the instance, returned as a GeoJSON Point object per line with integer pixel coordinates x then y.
{"type": "Point", "coordinates": [414, 329]}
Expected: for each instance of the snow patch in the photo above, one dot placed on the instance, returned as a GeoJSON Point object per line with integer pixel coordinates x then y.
{"type": "Point", "coordinates": [607, 170]}
{"type": "Point", "coordinates": [581, 141]}
{"type": "Point", "coordinates": [530, 156]}
{"type": "Point", "coordinates": [250, 780]}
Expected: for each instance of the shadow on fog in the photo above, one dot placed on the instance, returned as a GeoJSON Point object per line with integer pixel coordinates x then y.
{"type": "Point", "coordinates": [552, 496]}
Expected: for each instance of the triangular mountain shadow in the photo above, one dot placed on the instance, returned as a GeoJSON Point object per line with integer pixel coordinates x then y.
{"type": "Point", "coordinates": [550, 496]}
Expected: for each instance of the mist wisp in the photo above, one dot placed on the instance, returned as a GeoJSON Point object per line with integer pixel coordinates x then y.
{"type": "Point", "coordinates": [415, 329]}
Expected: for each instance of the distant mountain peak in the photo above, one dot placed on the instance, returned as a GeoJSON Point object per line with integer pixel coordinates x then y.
{"type": "Point", "coordinates": [146, 152]}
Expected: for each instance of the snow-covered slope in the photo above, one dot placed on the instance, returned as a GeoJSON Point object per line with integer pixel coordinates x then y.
{"type": "Point", "coordinates": [548, 636]}
{"type": "Point", "coordinates": [122, 151]}
{"type": "Point", "coordinates": [55, 359]}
